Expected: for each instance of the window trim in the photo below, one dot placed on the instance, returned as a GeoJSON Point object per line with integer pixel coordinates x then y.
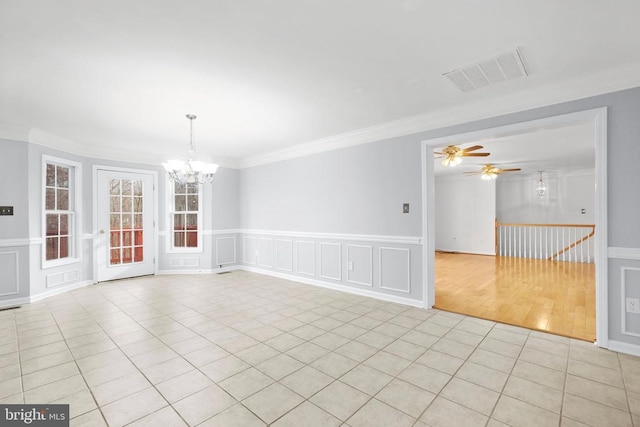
{"type": "Point", "coordinates": [75, 227]}
{"type": "Point", "coordinates": [170, 248]}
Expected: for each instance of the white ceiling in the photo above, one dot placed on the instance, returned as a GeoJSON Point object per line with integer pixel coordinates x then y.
{"type": "Point", "coordinates": [555, 150]}
{"type": "Point", "coordinates": [113, 77]}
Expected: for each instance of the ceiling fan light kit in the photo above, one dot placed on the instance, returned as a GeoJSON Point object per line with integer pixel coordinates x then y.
{"type": "Point", "coordinates": [452, 155]}
{"type": "Point", "coordinates": [541, 187]}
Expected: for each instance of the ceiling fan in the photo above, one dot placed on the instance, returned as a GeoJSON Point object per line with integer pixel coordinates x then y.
{"type": "Point", "coordinates": [452, 155]}
{"type": "Point", "coordinates": [490, 171]}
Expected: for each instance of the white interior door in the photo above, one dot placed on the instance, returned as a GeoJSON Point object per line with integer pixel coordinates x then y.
{"type": "Point", "coordinates": [125, 240]}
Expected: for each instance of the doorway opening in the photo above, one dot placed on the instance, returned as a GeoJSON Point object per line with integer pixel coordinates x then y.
{"type": "Point", "coordinates": [512, 255]}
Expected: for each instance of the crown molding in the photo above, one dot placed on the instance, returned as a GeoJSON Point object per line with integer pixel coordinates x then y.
{"type": "Point", "coordinates": [569, 90]}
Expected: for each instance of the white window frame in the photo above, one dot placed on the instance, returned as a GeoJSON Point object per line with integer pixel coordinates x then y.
{"type": "Point", "coordinates": [75, 226]}
{"type": "Point", "coordinates": [171, 211]}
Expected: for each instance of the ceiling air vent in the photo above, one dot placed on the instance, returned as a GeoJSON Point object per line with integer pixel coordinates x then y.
{"type": "Point", "coordinates": [506, 66]}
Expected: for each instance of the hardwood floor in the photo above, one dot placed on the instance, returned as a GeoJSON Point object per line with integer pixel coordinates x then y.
{"type": "Point", "coordinates": [552, 296]}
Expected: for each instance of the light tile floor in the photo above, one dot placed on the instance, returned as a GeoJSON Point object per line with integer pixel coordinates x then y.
{"type": "Point", "coordinates": [241, 349]}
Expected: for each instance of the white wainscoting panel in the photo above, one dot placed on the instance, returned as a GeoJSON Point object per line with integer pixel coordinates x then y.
{"type": "Point", "coordinates": [62, 278]}
{"type": "Point", "coordinates": [630, 283]}
{"type": "Point", "coordinates": [306, 258]}
{"type": "Point", "coordinates": [249, 250]}
{"type": "Point", "coordinates": [265, 252]}
{"type": "Point", "coordinates": [225, 250]}
{"type": "Point", "coordinates": [184, 262]}
{"type": "Point", "coordinates": [9, 276]}
{"type": "Point", "coordinates": [331, 261]}
{"type": "Point", "coordinates": [395, 269]}
{"type": "Point", "coordinates": [360, 265]}
{"type": "Point", "coordinates": [284, 255]}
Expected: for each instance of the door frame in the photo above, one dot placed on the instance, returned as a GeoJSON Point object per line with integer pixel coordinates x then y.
{"type": "Point", "coordinates": [94, 228]}
{"type": "Point", "coordinates": [597, 117]}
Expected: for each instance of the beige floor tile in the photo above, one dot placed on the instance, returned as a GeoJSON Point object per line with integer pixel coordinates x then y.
{"type": "Point", "coordinates": [349, 331]}
{"type": "Point", "coordinates": [440, 361]}
{"type": "Point", "coordinates": [406, 397]}
{"type": "Point", "coordinates": [204, 404]}
{"type": "Point", "coordinates": [366, 379]}
{"type": "Point", "coordinates": [543, 358]}
{"type": "Point", "coordinates": [280, 366]}
{"type": "Point", "coordinates": [245, 383]}
{"type": "Point", "coordinates": [45, 362]}
{"type": "Point", "coordinates": [224, 368]}
{"type": "Point", "coordinates": [470, 395]}
{"type": "Point", "coordinates": [375, 339]}
{"type": "Point", "coordinates": [119, 388]}
{"type": "Point", "coordinates": [79, 403]}
{"type": "Point", "coordinates": [387, 363]}
{"type": "Point", "coordinates": [334, 364]}
{"type": "Point", "coordinates": [500, 347]}
{"type": "Point", "coordinates": [184, 385]}
{"type": "Point", "coordinates": [10, 387]}
{"type": "Point", "coordinates": [568, 422]}
{"type": "Point", "coordinates": [40, 351]}
{"type": "Point", "coordinates": [140, 347]}
{"type": "Point", "coordinates": [165, 417]}
{"type": "Point", "coordinates": [405, 349]}
{"type": "Point", "coordinates": [377, 414]}
{"type": "Point", "coordinates": [483, 376]}
{"type": "Point", "coordinates": [547, 346]}
{"type": "Point", "coordinates": [598, 392]}
{"type": "Point", "coordinates": [205, 355]}
{"type": "Point", "coordinates": [236, 344]}
{"type": "Point", "coordinates": [508, 336]}
{"type": "Point", "coordinates": [307, 352]}
{"type": "Point", "coordinates": [591, 354]}
{"type": "Point", "coordinates": [420, 338]}
{"type": "Point", "coordinates": [90, 419]}
{"type": "Point", "coordinates": [453, 348]}
{"type": "Point", "coordinates": [190, 345]}
{"type": "Point", "coordinates": [491, 360]}
{"type": "Point", "coordinates": [108, 373]}
{"type": "Point", "coordinates": [309, 415]}
{"type": "Point", "coordinates": [257, 354]}
{"type": "Point", "coordinates": [592, 413]}
{"type": "Point", "coordinates": [272, 402]}
{"type": "Point", "coordinates": [93, 348]}
{"type": "Point", "coordinates": [520, 414]}
{"type": "Point", "coordinates": [55, 390]}
{"type": "Point", "coordinates": [284, 342]}
{"type": "Point", "coordinates": [235, 416]}
{"type": "Point", "coordinates": [539, 374]}
{"type": "Point", "coordinates": [132, 408]}
{"type": "Point", "coordinates": [357, 351]}
{"type": "Point", "coordinates": [330, 341]}
{"type": "Point", "coordinates": [424, 377]}
{"type": "Point", "coordinates": [464, 337]}
{"type": "Point", "coordinates": [391, 329]}
{"type": "Point", "coordinates": [496, 423]}
{"type": "Point", "coordinates": [154, 357]}
{"type": "Point", "coordinates": [536, 394]}
{"type": "Point", "coordinates": [307, 381]}
{"type": "Point", "coordinates": [445, 413]}
{"type": "Point", "coordinates": [340, 400]}
{"type": "Point", "coordinates": [634, 402]}
{"type": "Point", "coordinates": [474, 327]}
{"type": "Point", "coordinates": [608, 376]}
{"type": "Point", "coordinates": [167, 370]}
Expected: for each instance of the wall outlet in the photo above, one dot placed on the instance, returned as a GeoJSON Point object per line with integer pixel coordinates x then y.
{"type": "Point", "coordinates": [6, 210]}
{"type": "Point", "coordinates": [633, 305]}
{"type": "Point", "coordinates": [583, 211]}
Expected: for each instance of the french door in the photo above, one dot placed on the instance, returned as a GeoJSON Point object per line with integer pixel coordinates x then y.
{"type": "Point", "coordinates": [125, 241]}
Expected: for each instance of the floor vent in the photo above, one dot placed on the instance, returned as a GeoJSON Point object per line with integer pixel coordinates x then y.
{"type": "Point", "coordinates": [506, 66]}
{"type": "Point", "coordinates": [224, 272]}
{"type": "Point", "coordinates": [10, 308]}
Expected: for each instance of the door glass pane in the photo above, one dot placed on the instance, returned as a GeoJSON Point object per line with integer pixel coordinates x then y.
{"type": "Point", "coordinates": [52, 248]}
{"type": "Point", "coordinates": [122, 221]}
{"type": "Point", "coordinates": [114, 189]}
{"type": "Point", "coordinates": [50, 202]}
{"type": "Point", "coordinates": [52, 224]}
{"type": "Point", "coordinates": [192, 203]}
{"type": "Point", "coordinates": [181, 203]}
{"type": "Point", "coordinates": [63, 177]}
{"type": "Point", "coordinates": [64, 224]}
{"type": "Point", "coordinates": [64, 247]}
{"type": "Point", "coordinates": [51, 175]}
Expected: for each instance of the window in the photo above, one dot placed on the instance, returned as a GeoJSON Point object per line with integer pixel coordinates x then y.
{"type": "Point", "coordinates": [185, 216]}
{"type": "Point", "coordinates": [59, 211]}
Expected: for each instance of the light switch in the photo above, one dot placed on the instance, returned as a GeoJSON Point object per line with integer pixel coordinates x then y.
{"type": "Point", "coordinates": [405, 208]}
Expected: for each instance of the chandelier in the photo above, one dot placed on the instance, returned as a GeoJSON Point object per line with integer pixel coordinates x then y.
{"type": "Point", "coordinates": [541, 187]}
{"type": "Point", "coordinates": [192, 171]}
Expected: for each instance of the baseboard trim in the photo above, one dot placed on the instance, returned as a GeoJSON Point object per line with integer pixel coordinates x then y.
{"type": "Point", "coordinates": [60, 290]}
{"type": "Point", "coordinates": [198, 271]}
{"type": "Point", "coordinates": [336, 287]}
{"type": "Point", "coordinates": [623, 347]}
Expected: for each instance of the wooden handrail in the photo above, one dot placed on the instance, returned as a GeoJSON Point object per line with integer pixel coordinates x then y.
{"type": "Point", "coordinates": [573, 245]}
{"type": "Point", "coordinates": [544, 225]}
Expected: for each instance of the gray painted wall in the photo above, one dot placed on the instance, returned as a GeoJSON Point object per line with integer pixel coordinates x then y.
{"type": "Point", "coordinates": [14, 189]}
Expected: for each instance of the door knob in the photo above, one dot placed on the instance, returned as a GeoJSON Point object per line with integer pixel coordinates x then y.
{"type": "Point", "coordinates": [101, 231]}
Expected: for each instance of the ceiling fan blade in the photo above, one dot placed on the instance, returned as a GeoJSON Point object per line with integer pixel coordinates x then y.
{"type": "Point", "coordinates": [510, 170]}
{"type": "Point", "coordinates": [472, 173]}
{"type": "Point", "coordinates": [475, 154]}
{"type": "Point", "coordinates": [474, 148]}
